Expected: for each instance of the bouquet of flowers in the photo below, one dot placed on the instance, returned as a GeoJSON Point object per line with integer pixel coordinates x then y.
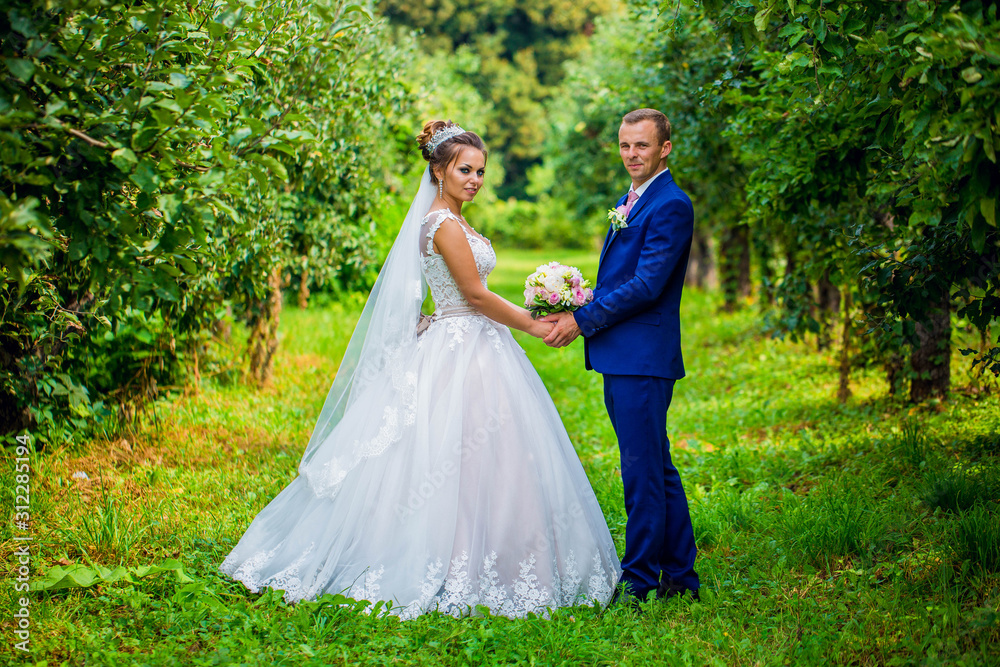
{"type": "Point", "coordinates": [555, 288]}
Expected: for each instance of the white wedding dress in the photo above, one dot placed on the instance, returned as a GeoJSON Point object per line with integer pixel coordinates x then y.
{"type": "Point", "coordinates": [467, 490]}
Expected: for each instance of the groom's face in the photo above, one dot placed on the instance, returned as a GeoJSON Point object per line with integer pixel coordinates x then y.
{"type": "Point", "coordinates": [641, 150]}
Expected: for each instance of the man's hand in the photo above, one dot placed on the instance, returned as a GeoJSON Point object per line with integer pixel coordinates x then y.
{"type": "Point", "coordinates": [565, 330]}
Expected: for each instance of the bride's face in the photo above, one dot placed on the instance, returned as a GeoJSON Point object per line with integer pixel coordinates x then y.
{"type": "Point", "coordinates": [464, 176]}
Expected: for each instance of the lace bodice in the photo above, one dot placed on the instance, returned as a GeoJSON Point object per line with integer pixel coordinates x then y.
{"type": "Point", "coordinates": [443, 287]}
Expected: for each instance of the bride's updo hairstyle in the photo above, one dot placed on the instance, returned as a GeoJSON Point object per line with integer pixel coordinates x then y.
{"type": "Point", "coordinates": [446, 151]}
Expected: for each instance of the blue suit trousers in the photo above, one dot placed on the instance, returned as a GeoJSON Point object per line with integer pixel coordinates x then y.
{"type": "Point", "coordinates": [658, 534]}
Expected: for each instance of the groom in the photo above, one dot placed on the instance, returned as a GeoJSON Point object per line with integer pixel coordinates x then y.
{"type": "Point", "coordinates": [632, 336]}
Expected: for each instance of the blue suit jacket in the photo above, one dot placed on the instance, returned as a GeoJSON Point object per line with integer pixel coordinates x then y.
{"type": "Point", "coordinates": [632, 327]}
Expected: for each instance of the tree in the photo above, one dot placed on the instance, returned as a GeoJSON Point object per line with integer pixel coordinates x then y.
{"type": "Point", "coordinates": [850, 148]}
{"type": "Point", "coordinates": [519, 49]}
{"type": "Point", "coordinates": [630, 66]}
{"type": "Point", "coordinates": [871, 126]}
{"type": "Point", "coordinates": [155, 160]}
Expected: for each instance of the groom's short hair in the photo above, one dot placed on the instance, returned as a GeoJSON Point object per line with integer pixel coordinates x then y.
{"type": "Point", "coordinates": [658, 118]}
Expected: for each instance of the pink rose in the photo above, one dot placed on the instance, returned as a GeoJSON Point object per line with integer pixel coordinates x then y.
{"type": "Point", "coordinates": [554, 298]}
{"type": "Point", "coordinates": [574, 281]}
{"type": "Point", "coordinates": [621, 210]}
{"type": "Point", "coordinates": [579, 298]}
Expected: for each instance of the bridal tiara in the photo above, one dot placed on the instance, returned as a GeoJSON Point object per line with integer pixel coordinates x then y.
{"type": "Point", "coordinates": [443, 135]}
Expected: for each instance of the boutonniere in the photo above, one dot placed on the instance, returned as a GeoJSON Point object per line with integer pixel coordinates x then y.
{"type": "Point", "coordinates": [617, 218]}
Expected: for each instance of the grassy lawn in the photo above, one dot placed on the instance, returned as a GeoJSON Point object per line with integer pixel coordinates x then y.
{"type": "Point", "coordinates": [866, 533]}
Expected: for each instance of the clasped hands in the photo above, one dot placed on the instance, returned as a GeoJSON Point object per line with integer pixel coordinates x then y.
{"type": "Point", "coordinates": [564, 330]}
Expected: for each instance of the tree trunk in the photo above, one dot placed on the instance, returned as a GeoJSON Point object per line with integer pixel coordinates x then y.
{"type": "Point", "coordinates": [223, 329]}
{"type": "Point", "coordinates": [828, 302]}
{"type": "Point", "coordinates": [304, 284]}
{"type": "Point", "coordinates": [734, 264]}
{"type": "Point", "coordinates": [791, 265]}
{"type": "Point", "coordinates": [701, 271]}
{"type": "Point", "coordinates": [790, 262]}
{"type": "Point", "coordinates": [931, 356]}
{"type": "Point", "coordinates": [844, 390]}
{"type": "Point", "coordinates": [894, 366]}
{"type": "Point", "coordinates": [13, 419]}
{"type": "Point", "coordinates": [264, 334]}
{"type": "Point", "coordinates": [196, 368]}
{"type": "Point", "coordinates": [764, 255]}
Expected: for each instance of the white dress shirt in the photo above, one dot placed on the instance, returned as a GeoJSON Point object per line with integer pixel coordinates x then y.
{"type": "Point", "coordinates": [642, 188]}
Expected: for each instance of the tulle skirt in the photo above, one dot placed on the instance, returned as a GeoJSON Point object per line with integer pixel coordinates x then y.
{"type": "Point", "coordinates": [468, 493]}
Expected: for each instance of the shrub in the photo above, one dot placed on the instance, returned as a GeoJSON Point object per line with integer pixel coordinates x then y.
{"type": "Point", "coordinates": [544, 223]}
{"type": "Point", "coordinates": [164, 163]}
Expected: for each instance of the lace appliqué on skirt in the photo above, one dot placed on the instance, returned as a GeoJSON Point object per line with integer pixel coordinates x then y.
{"type": "Point", "coordinates": [464, 588]}
{"type": "Point", "coordinates": [456, 594]}
{"type": "Point", "coordinates": [288, 579]}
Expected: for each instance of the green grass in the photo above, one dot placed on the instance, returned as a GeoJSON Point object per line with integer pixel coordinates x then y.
{"type": "Point", "coordinates": [866, 533]}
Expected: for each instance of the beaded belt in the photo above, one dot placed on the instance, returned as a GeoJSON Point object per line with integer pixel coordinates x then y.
{"type": "Point", "coordinates": [450, 311]}
{"type": "Point", "coordinates": [455, 311]}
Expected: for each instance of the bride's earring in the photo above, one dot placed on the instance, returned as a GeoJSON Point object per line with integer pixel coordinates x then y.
{"type": "Point", "coordinates": [441, 189]}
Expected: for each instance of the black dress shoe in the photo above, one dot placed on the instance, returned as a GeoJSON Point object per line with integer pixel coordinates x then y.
{"type": "Point", "coordinates": [669, 588]}
{"type": "Point", "coordinates": [623, 597]}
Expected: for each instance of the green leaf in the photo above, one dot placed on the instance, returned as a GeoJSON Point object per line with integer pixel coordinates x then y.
{"type": "Point", "coordinates": [146, 177]}
{"type": "Point", "coordinates": [188, 265]}
{"type": "Point", "coordinates": [978, 238]}
{"type": "Point", "coordinates": [834, 46]}
{"type": "Point", "coordinates": [168, 565]}
{"type": "Point", "coordinates": [179, 80]}
{"type": "Point", "coordinates": [169, 205]}
{"type": "Point", "coordinates": [760, 20]}
{"type": "Point", "coordinates": [22, 24]}
{"type": "Point", "coordinates": [169, 104]}
{"type": "Point", "coordinates": [78, 576]}
{"type": "Point", "coordinates": [198, 594]}
{"type": "Point", "coordinates": [22, 69]}
{"type": "Point", "coordinates": [359, 9]}
{"type": "Point", "coordinates": [77, 250]}
{"type": "Point", "coordinates": [971, 75]}
{"type": "Point", "coordinates": [169, 269]}
{"type": "Point", "coordinates": [988, 207]}
{"type": "Point", "coordinates": [124, 159]}
{"type": "Point", "coordinates": [54, 106]}
{"type": "Point", "coordinates": [271, 163]}
{"type": "Point", "coordinates": [167, 291]}
{"type": "Point", "coordinates": [239, 134]}
{"type": "Point", "coordinates": [821, 30]}
{"type": "Point", "coordinates": [83, 576]}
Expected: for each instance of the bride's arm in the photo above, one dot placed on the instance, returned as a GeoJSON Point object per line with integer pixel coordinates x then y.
{"type": "Point", "coordinates": [450, 241]}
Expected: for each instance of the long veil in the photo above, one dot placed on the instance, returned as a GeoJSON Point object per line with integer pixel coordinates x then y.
{"type": "Point", "coordinates": [383, 340]}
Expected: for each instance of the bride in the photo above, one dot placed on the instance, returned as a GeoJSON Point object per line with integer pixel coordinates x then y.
{"type": "Point", "coordinates": [439, 475]}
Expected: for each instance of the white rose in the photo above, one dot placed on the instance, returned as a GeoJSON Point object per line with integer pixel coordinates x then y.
{"type": "Point", "coordinates": [553, 283]}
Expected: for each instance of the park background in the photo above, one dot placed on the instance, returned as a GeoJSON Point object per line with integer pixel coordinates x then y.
{"type": "Point", "coordinates": [195, 198]}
